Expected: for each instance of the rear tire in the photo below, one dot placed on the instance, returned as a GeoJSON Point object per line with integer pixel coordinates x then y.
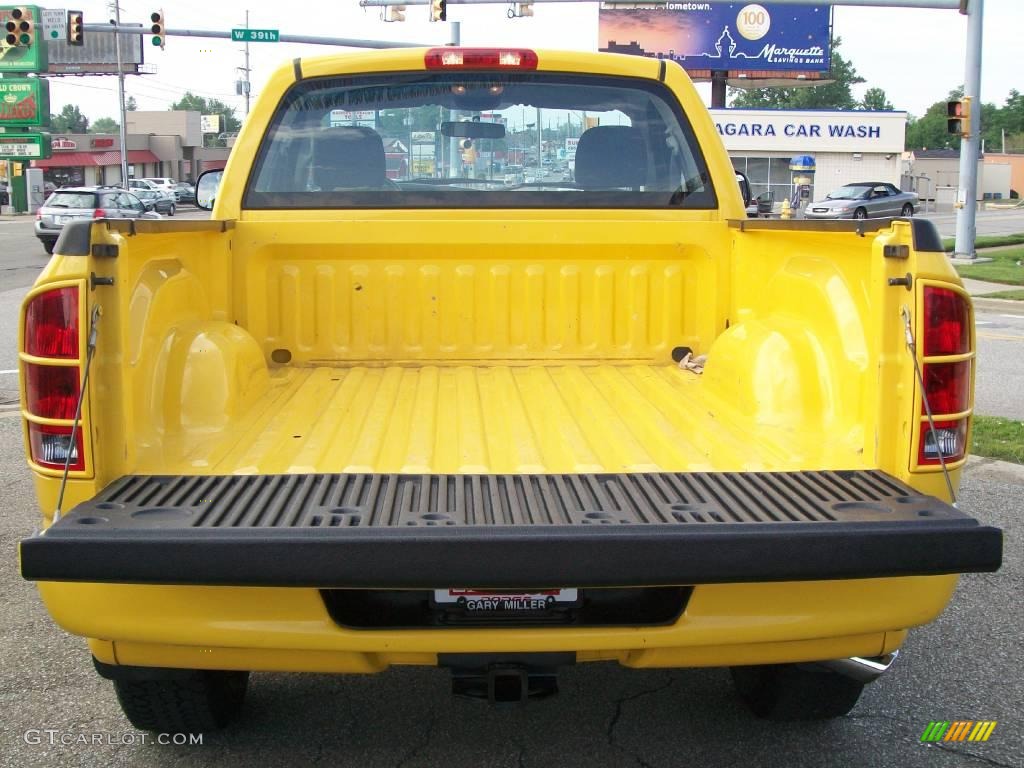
{"type": "Point", "coordinates": [860, 213]}
{"type": "Point", "coordinates": [172, 209]}
{"type": "Point", "coordinates": [793, 692]}
{"type": "Point", "coordinates": [195, 702]}
{"type": "Point", "coordinates": [908, 211]}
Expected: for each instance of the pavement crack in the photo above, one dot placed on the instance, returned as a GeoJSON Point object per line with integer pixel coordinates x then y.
{"type": "Point", "coordinates": [974, 755]}
{"type": "Point", "coordinates": [617, 715]}
{"type": "Point", "coordinates": [424, 742]}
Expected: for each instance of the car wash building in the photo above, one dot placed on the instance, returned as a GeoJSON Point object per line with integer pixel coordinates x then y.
{"type": "Point", "coordinates": [846, 147]}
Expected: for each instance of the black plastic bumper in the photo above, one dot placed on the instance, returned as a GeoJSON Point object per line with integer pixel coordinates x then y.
{"type": "Point", "coordinates": [521, 531]}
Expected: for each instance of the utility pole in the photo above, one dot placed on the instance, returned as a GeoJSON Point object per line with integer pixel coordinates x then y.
{"type": "Point", "coordinates": [116, 21]}
{"type": "Point", "coordinates": [967, 195]}
{"type": "Point", "coordinates": [247, 82]}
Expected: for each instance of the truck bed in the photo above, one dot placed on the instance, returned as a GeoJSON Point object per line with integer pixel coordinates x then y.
{"type": "Point", "coordinates": [491, 419]}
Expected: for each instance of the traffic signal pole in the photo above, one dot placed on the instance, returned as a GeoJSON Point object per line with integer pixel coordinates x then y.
{"type": "Point", "coordinates": [346, 42]}
{"type": "Point", "coordinates": [967, 194]}
{"type": "Point", "coordinates": [123, 133]}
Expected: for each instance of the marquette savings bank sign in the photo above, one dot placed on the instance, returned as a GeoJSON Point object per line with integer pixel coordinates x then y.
{"type": "Point", "coordinates": [734, 37]}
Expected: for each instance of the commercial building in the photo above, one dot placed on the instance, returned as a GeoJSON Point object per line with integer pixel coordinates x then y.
{"type": "Point", "coordinates": [935, 175]}
{"type": "Point", "coordinates": [159, 144]}
{"type": "Point", "coordinates": [846, 146]}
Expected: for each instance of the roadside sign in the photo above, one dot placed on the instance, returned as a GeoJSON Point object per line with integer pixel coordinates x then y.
{"type": "Point", "coordinates": [21, 58]}
{"type": "Point", "coordinates": [255, 35]}
{"type": "Point", "coordinates": [209, 123]}
{"type": "Point", "coordinates": [55, 23]}
{"type": "Point", "coordinates": [25, 146]}
{"type": "Point", "coordinates": [24, 101]}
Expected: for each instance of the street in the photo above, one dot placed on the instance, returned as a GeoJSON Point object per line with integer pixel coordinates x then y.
{"type": "Point", "coordinates": [965, 666]}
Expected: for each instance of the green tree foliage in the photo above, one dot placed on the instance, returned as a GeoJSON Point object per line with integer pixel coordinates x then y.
{"type": "Point", "coordinates": [70, 120]}
{"type": "Point", "coordinates": [190, 101]}
{"type": "Point", "coordinates": [835, 95]}
{"type": "Point", "coordinates": [104, 125]}
{"type": "Point", "coordinates": [875, 100]}
{"type": "Point", "coordinates": [130, 104]}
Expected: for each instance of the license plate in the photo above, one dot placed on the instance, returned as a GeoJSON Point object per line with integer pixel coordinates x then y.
{"type": "Point", "coordinates": [500, 601]}
{"type": "Point", "coordinates": [62, 219]}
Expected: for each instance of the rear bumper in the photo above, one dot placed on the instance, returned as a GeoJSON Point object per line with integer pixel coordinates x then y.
{"type": "Point", "coordinates": [515, 531]}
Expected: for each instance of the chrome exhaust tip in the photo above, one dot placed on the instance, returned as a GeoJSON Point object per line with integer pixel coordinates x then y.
{"type": "Point", "coordinates": [863, 669]}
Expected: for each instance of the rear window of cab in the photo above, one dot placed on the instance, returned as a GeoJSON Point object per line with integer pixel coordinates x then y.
{"type": "Point", "coordinates": [479, 139]}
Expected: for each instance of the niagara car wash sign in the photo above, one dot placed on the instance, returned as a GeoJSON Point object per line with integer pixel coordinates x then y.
{"type": "Point", "coordinates": [825, 131]}
{"type": "Point", "coordinates": [733, 37]}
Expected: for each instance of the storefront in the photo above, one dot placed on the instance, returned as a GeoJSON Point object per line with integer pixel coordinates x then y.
{"type": "Point", "coordinates": [91, 159]}
{"type": "Point", "coordinates": [846, 147]}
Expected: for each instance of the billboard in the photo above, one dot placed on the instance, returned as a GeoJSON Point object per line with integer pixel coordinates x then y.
{"type": "Point", "coordinates": [96, 55]}
{"type": "Point", "coordinates": [735, 37]}
{"type": "Point", "coordinates": [24, 101]}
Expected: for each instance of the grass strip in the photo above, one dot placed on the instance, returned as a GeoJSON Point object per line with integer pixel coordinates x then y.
{"type": "Point", "coordinates": [998, 438]}
{"type": "Point", "coordinates": [1006, 267]}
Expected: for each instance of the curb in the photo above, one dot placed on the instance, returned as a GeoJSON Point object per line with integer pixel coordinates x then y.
{"type": "Point", "coordinates": [994, 469]}
{"type": "Point", "coordinates": [998, 305]}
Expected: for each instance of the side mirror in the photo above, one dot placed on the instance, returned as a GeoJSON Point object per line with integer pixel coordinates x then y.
{"type": "Point", "coordinates": [206, 188]}
{"type": "Point", "coordinates": [744, 182]}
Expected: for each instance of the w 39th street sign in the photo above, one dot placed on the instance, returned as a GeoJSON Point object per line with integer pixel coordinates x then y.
{"type": "Point", "coordinates": [255, 35]}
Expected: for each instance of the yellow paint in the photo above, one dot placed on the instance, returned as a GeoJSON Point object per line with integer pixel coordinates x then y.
{"type": "Point", "coordinates": [499, 342]}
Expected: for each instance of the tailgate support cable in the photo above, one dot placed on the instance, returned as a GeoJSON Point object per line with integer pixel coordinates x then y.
{"type": "Point", "coordinates": [90, 351]}
{"type": "Point", "coordinates": [912, 346]}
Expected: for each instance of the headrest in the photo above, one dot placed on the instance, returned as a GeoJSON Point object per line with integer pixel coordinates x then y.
{"type": "Point", "coordinates": [609, 156]}
{"type": "Point", "coordinates": [347, 157]}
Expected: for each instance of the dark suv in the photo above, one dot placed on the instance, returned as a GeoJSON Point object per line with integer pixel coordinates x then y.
{"type": "Point", "coordinates": [72, 203]}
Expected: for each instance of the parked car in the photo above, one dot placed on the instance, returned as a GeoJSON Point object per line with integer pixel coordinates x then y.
{"type": "Point", "coordinates": [162, 182]}
{"type": "Point", "coordinates": [158, 201]}
{"type": "Point", "coordinates": [185, 192]}
{"type": "Point", "coordinates": [66, 205]}
{"type": "Point", "coordinates": [863, 200]}
{"type": "Point", "coordinates": [141, 184]}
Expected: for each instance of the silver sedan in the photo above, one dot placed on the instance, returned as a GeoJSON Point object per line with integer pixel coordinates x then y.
{"type": "Point", "coordinates": [869, 200]}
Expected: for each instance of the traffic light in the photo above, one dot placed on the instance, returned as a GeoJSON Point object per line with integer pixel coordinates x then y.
{"type": "Point", "coordinates": [396, 13]}
{"type": "Point", "coordinates": [959, 117]}
{"type": "Point", "coordinates": [20, 30]}
{"type": "Point", "coordinates": [438, 10]}
{"type": "Point", "coordinates": [157, 30]}
{"type": "Point", "coordinates": [75, 28]}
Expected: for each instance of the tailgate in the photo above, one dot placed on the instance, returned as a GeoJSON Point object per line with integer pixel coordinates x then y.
{"type": "Point", "coordinates": [402, 531]}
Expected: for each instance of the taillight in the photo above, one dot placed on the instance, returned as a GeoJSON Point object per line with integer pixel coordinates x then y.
{"type": "Point", "coordinates": [51, 324]}
{"type": "Point", "coordinates": [50, 445]}
{"type": "Point", "coordinates": [99, 213]}
{"type": "Point", "coordinates": [949, 437]}
{"type": "Point", "coordinates": [52, 386]}
{"type": "Point", "coordinates": [51, 391]}
{"type": "Point", "coordinates": [480, 58]}
{"type": "Point", "coordinates": [946, 323]}
{"type": "Point", "coordinates": [946, 332]}
{"type": "Point", "coordinates": [948, 386]}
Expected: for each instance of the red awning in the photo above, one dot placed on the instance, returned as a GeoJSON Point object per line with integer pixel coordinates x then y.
{"type": "Point", "coordinates": [77, 159]}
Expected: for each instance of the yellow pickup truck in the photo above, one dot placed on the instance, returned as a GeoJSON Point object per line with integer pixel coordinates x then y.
{"type": "Point", "coordinates": [386, 408]}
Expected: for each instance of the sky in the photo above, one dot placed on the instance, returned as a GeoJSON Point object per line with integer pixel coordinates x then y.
{"type": "Point", "coordinates": [916, 56]}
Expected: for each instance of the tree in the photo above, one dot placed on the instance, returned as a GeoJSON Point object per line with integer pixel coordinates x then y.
{"type": "Point", "coordinates": [875, 100]}
{"type": "Point", "coordinates": [130, 104]}
{"type": "Point", "coordinates": [209, 107]}
{"type": "Point", "coordinates": [835, 95]}
{"type": "Point", "coordinates": [104, 125]}
{"type": "Point", "coordinates": [70, 120]}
